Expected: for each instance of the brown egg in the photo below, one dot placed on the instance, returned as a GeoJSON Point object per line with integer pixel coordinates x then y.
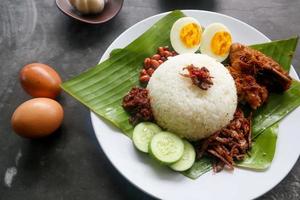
{"type": "Point", "coordinates": [37, 118]}
{"type": "Point", "coordinates": [40, 80]}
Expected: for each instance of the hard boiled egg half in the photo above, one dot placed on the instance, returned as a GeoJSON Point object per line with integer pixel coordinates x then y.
{"type": "Point", "coordinates": [216, 41]}
{"type": "Point", "coordinates": [186, 35]}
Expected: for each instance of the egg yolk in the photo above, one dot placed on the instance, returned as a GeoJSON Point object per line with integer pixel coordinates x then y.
{"type": "Point", "coordinates": [220, 43]}
{"type": "Point", "coordinates": [190, 35]}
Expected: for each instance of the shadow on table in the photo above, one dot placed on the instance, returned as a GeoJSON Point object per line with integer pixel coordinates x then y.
{"type": "Point", "coordinates": [186, 4]}
{"type": "Point", "coordinates": [40, 156]}
{"type": "Point", "coordinates": [75, 35]}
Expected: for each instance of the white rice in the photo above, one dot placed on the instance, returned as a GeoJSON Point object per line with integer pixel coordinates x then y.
{"type": "Point", "coordinates": [181, 107]}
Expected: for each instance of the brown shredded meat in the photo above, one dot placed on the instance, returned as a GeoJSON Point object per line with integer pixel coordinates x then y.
{"type": "Point", "coordinates": [230, 144]}
{"type": "Point", "coordinates": [137, 104]}
{"type": "Point", "coordinates": [256, 74]}
{"type": "Point", "coordinates": [199, 76]}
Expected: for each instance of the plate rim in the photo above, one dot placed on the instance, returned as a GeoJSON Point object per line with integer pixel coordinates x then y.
{"type": "Point", "coordinates": [94, 116]}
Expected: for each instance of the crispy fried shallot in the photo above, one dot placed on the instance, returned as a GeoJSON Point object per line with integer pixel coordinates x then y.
{"type": "Point", "coordinates": [199, 76]}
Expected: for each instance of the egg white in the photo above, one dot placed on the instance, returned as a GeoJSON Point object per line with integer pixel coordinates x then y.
{"type": "Point", "coordinates": [208, 35]}
{"type": "Point", "coordinates": [176, 42]}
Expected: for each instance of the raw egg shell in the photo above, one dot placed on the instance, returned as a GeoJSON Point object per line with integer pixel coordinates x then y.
{"type": "Point", "coordinates": [40, 80]}
{"type": "Point", "coordinates": [36, 118]}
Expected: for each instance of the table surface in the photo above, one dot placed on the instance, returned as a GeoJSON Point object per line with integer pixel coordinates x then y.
{"type": "Point", "coordinates": [70, 164]}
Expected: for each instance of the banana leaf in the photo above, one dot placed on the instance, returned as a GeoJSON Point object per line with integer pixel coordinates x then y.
{"type": "Point", "coordinates": [281, 51]}
{"type": "Point", "coordinates": [263, 149]}
{"type": "Point", "coordinates": [102, 87]}
{"type": "Point", "coordinates": [199, 168]}
{"type": "Point", "coordinates": [277, 107]}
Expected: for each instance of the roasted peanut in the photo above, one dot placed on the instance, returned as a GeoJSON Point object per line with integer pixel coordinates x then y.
{"type": "Point", "coordinates": [150, 71]}
{"type": "Point", "coordinates": [166, 54]}
{"type": "Point", "coordinates": [154, 63]}
{"type": "Point", "coordinates": [144, 78]}
{"type": "Point", "coordinates": [147, 63]}
{"type": "Point", "coordinates": [160, 50]}
{"type": "Point", "coordinates": [143, 72]}
{"type": "Point", "coordinates": [156, 57]}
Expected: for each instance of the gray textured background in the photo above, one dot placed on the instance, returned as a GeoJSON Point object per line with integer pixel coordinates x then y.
{"type": "Point", "coordinates": [70, 163]}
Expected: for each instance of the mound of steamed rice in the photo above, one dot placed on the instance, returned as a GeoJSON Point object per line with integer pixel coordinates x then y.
{"type": "Point", "coordinates": [181, 107]}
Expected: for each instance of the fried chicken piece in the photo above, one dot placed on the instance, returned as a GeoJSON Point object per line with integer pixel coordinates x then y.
{"type": "Point", "coordinates": [255, 75]}
{"type": "Point", "coordinates": [248, 90]}
{"type": "Point", "coordinates": [264, 69]}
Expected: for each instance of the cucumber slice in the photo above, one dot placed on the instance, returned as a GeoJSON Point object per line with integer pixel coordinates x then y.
{"type": "Point", "coordinates": [166, 147]}
{"type": "Point", "coordinates": [142, 135]}
{"type": "Point", "coordinates": [187, 159]}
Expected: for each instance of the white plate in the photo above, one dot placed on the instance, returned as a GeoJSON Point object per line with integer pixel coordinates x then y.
{"type": "Point", "coordinates": [162, 182]}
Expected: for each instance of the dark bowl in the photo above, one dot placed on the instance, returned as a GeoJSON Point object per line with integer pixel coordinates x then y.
{"type": "Point", "coordinates": [111, 9]}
